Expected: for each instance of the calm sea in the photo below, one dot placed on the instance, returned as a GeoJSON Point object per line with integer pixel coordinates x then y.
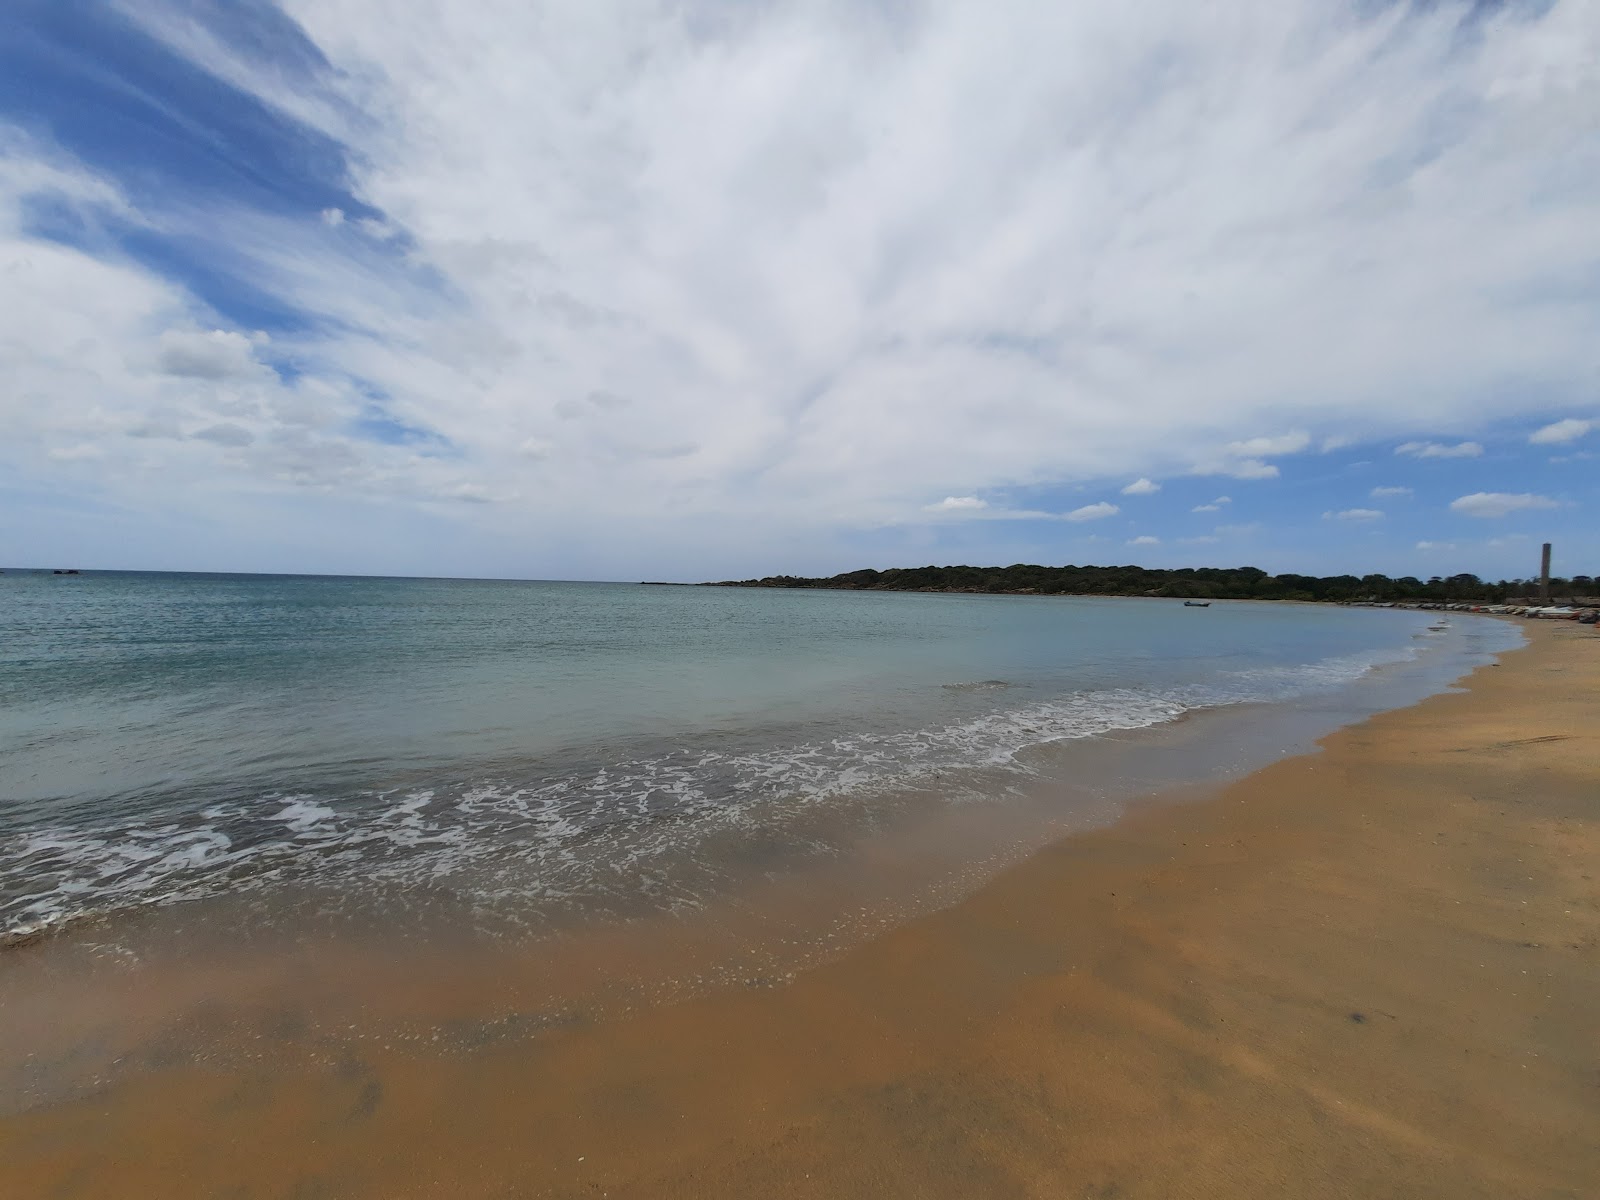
{"type": "Point", "coordinates": [520, 747]}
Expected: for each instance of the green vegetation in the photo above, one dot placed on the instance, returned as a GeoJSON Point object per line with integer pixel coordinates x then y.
{"type": "Point", "coordinates": [1200, 583]}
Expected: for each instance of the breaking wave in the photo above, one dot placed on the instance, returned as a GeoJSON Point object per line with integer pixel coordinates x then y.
{"type": "Point", "coordinates": [656, 830]}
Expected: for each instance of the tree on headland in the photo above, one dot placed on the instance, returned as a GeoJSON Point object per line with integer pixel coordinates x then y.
{"type": "Point", "coordinates": [1200, 583]}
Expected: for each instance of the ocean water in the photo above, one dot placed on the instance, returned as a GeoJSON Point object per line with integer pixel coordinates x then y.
{"type": "Point", "coordinates": [517, 749]}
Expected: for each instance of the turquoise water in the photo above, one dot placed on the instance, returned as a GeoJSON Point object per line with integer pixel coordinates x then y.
{"type": "Point", "coordinates": [512, 745]}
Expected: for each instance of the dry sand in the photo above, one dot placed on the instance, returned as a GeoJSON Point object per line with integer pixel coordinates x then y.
{"type": "Point", "coordinates": [1368, 972]}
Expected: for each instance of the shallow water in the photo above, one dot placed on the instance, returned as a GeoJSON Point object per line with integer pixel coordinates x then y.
{"type": "Point", "coordinates": [519, 752]}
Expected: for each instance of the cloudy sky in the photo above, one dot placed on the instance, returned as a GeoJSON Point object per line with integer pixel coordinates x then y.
{"type": "Point", "coordinates": [706, 288]}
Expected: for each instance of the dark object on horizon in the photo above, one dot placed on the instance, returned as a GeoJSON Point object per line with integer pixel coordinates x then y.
{"type": "Point", "coordinates": [1197, 604]}
{"type": "Point", "coordinates": [68, 571]}
{"type": "Point", "coordinates": [1544, 574]}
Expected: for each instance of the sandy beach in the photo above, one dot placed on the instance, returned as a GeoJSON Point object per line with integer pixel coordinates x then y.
{"type": "Point", "coordinates": [1369, 971]}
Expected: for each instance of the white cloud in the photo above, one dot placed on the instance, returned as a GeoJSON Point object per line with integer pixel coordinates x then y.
{"type": "Point", "coordinates": [1252, 468]}
{"type": "Point", "coordinates": [1206, 508]}
{"type": "Point", "coordinates": [1440, 450]}
{"type": "Point", "coordinates": [471, 493]}
{"type": "Point", "coordinates": [1237, 468]}
{"type": "Point", "coordinates": [1144, 540]}
{"type": "Point", "coordinates": [225, 433]}
{"type": "Point", "coordinates": [958, 504]}
{"type": "Point", "coordinates": [839, 257]}
{"type": "Point", "coordinates": [1353, 514]}
{"type": "Point", "coordinates": [973, 506]}
{"type": "Point", "coordinates": [1562, 432]}
{"type": "Point", "coordinates": [1203, 540]}
{"type": "Point", "coordinates": [1268, 447]}
{"type": "Point", "coordinates": [1246, 459]}
{"type": "Point", "coordinates": [213, 354]}
{"type": "Point", "coordinates": [1500, 504]}
{"type": "Point", "coordinates": [1091, 512]}
{"type": "Point", "coordinates": [1425, 546]}
{"type": "Point", "coordinates": [106, 361]}
{"type": "Point", "coordinates": [83, 452]}
{"type": "Point", "coordinates": [1141, 487]}
{"type": "Point", "coordinates": [1381, 493]}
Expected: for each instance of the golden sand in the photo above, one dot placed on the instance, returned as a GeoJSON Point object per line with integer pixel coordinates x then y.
{"type": "Point", "coordinates": [1368, 972]}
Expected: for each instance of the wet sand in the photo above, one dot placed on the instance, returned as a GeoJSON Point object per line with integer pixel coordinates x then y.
{"type": "Point", "coordinates": [1370, 971]}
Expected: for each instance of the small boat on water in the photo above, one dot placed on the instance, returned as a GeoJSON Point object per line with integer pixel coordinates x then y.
{"type": "Point", "coordinates": [1197, 604]}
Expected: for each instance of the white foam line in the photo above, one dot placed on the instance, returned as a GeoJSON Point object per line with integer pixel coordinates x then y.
{"type": "Point", "coordinates": [562, 837]}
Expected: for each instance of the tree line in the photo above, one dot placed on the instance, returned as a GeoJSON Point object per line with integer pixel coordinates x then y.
{"type": "Point", "coordinates": [1198, 583]}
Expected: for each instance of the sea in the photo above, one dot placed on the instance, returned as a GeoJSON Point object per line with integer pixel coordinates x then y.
{"type": "Point", "coordinates": [516, 754]}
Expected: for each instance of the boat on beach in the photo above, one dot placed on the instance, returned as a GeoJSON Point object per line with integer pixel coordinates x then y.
{"type": "Point", "coordinates": [1197, 604]}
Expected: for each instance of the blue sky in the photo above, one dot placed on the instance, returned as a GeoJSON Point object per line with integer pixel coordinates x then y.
{"type": "Point", "coordinates": [703, 290]}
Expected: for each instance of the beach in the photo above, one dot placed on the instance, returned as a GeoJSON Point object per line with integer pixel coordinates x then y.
{"type": "Point", "coordinates": [697, 600]}
{"type": "Point", "coordinates": [1367, 971]}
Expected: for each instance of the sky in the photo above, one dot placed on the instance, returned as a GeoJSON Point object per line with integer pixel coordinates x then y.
{"type": "Point", "coordinates": [714, 289]}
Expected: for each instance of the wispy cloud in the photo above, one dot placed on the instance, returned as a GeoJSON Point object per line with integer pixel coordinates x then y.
{"type": "Point", "coordinates": [978, 509]}
{"type": "Point", "coordinates": [1141, 487]}
{"type": "Point", "coordinates": [1561, 432]}
{"type": "Point", "coordinates": [1440, 450]}
{"type": "Point", "coordinates": [1246, 458]}
{"type": "Point", "coordinates": [1382, 493]}
{"type": "Point", "coordinates": [1500, 504]}
{"type": "Point", "coordinates": [1237, 468]}
{"type": "Point", "coordinates": [1270, 447]}
{"type": "Point", "coordinates": [1092, 512]}
{"type": "Point", "coordinates": [1144, 540]}
{"type": "Point", "coordinates": [958, 504]}
{"type": "Point", "coordinates": [1354, 514]}
{"type": "Point", "coordinates": [996, 250]}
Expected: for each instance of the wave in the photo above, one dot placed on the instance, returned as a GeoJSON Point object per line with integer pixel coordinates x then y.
{"type": "Point", "coordinates": [656, 829]}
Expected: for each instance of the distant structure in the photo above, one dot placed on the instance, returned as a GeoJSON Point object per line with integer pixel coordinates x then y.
{"type": "Point", "coordinates": [1544, 574]}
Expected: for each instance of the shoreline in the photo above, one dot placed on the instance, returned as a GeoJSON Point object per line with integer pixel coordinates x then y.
{"type": "Point", "coordinates": [1165, 1006]}
{"type": "Point", "coordinates": [809, 783]}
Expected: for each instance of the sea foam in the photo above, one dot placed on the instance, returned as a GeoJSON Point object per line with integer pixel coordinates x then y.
{"type": "Point", "coordinates": [650, 826]}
